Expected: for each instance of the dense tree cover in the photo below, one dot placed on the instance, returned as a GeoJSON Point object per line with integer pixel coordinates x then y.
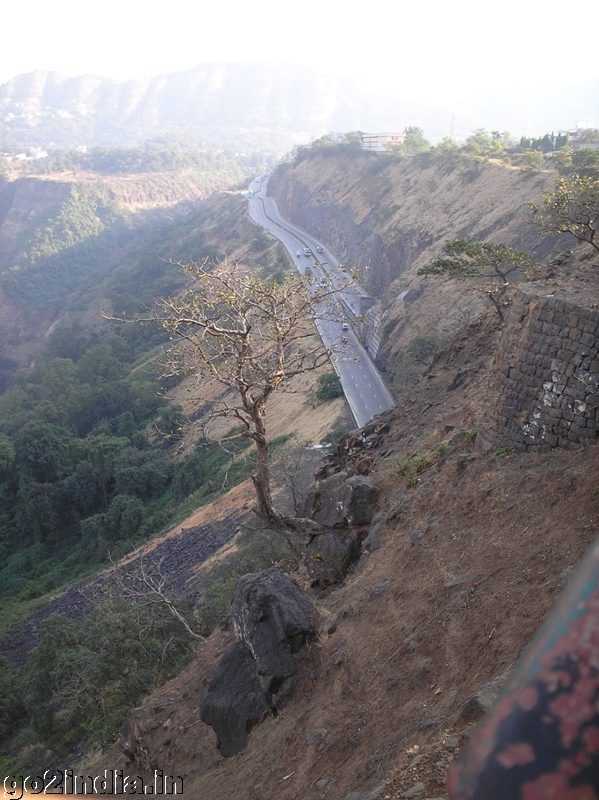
{"type": "Point", "coordinates": [481, 145]}
{"type": "Point", "coordinates": [86, 462]}
{"type": "Point", "coordinates": [583, 162]}
{"type": "Point", "coordinates": [66, 244]}
{"type": "Point", "coordinates": [79, 693]}
{"type": "Point", "coordinates": [545, 144]}
{"type": "Point", "coordinates": [165, 155]}
{"type": "Point", "coordinates": [329, 386]}
{"type": "Point", "coordinates": [84, 239]}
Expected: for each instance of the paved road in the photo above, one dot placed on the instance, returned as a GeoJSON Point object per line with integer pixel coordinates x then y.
{"type": "Point", "coordinates": [362, 384]}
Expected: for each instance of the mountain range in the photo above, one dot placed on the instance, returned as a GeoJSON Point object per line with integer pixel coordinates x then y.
{"type": "Point", "coordinates": [259, 107]}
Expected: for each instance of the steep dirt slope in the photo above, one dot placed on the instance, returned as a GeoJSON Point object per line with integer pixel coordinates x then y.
{"type": "Point", "coordinates": [390, 216]}
{"type": "Point", "coordinates": [472, 556]}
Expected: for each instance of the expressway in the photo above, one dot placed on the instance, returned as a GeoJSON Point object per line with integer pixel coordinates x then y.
{"type": "Point", "coordinates": [362, 384]}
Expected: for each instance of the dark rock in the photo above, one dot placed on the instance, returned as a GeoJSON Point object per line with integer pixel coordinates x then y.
{"type": "Point", "coordinates": [329, 556]}
{"type": "Point", "coordinates": [234, 700]}
{"type": "Point", "coordinates": [316, 736]}
{"type": "Point", "coordinates": [369, 794]}
{"type": "Point", "coordinates": [396, 505]}
{"type": "Point", "coordinates": [329, 626]}
{"type": "Point", "coordinates": [373, 541]}
{"type": "Point", "coordinates": [461, 378]}
{"type": "Point", "coordinates": [383, 588]}
{"type": "Point", "coordinates": [416, 536]}
{"type": "Point", "coordinates": [273, 618]}
{"type": "Point", "coordinates": [338, 501]}
{"type": "Point", "coordinates": [480, 703]}
{"type": "Point", "coordinates": [358, 496]}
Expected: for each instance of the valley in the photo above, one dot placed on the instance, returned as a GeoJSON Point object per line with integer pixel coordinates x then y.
{"type": "Point", "coordinates": [471, 539]}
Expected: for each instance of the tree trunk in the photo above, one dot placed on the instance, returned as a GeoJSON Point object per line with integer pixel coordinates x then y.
{"type": "Point", "coordinates": [262, 477]}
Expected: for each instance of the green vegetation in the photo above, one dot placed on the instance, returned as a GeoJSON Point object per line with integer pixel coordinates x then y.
{"type": "Point", "coordinates": [471, 435]}
{"type": "Point", "coordinates": [584, 163]}
{"type": "Point", "coordinates": [548, 143]}
{"type": "Point", "coordinates": [502, 452]}
{"type": "Point", "coordinates": [411, 466]}
{"type": "Point", "coordinates": [334, 436]}
{"type": "Point", "coordinates": [413, 143]}
{"type": "Point", "coordinates": [493, 264]}
{"type": "Point", "coordinates": [572, 207]}
{"type": "Point", "coordinates": [79, 693]}
{"type": "Point", "coordinates": [167, 155]}
{"type": "Point", "coordinates": [329, 386]}
{"type": "Point", "coordinates": [532, 160]}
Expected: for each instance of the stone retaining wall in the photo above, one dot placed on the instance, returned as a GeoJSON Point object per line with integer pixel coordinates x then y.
{"type": "Point", "coordinates": [547, 375]}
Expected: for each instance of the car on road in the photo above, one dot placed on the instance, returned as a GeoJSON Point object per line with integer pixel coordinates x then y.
{"type": "Point", "coordinates": [307, 251]}
{"type": "Point", "coordinates": [298, 253]}
{"type": "Point", "coordinates": [319, 250]}
{"type": "Point", "coordinates": [345, 327]}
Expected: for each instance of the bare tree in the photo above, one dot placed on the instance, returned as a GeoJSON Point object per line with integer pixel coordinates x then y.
{"type": "Point", "coordinates": [250, 337]}
{"type": "Point", "coordinates": [137, 584]}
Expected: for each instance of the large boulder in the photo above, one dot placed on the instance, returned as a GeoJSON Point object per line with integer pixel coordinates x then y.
{"type": "Point", "coordinates": [329, 555]}
{"type": "Point", "coordinates": [234, 700]}
{"type": "Point", "coordinates": [339, 501]}
{"type": "Point", "coordinates": [273, 619]}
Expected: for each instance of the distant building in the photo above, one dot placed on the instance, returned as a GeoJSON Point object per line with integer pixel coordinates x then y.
{"type": "Point", "coordinates": [378, 142]}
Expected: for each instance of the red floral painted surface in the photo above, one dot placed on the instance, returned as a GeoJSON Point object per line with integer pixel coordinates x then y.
{"type": "Point", "coordinates": [541, 740]}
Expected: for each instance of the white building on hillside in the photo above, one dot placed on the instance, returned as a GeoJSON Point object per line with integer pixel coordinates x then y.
{"type": "Point", "coordinates": [377, 142]}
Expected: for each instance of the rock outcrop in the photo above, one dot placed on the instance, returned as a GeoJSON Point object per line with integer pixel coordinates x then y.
{"type": "Point", "coordinates": [272, 619]}
{"type": "Point", "coordinates": [234, 700]}
{"type": "Point", "coordinates": [344, 506]}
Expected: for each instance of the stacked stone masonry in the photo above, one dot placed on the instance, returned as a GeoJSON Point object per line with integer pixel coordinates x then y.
{"type": "Point", "coordinates": [547, 376]}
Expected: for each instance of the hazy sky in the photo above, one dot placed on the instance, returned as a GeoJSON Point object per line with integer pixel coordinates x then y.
{"type": "Point", "coordinates": [445, 48]}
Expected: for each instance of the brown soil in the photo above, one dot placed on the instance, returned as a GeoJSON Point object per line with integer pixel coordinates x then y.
{"type": "Point", "coordinates": [472, 558]}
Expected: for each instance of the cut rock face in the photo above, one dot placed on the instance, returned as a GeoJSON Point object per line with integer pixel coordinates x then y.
{"type": "Point", "coordinates": [272, 619]}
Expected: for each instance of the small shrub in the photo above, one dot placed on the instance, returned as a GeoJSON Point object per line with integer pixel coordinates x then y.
{"type": "Point", "coordinates": [502, 452]}
{"type": "Point", "coordinates": [334, 436]}
{"type": "Point", "coordinates": [329, 386]}
{"type": "Point", "coordinates": [413, 465]}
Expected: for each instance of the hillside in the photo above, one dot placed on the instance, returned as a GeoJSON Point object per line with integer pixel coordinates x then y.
{"type": "Point", "coordinates": [63, 235]}
{"type": "Point", "coordinates": [470, 552]}
{"type": "Point", "coordinates": [470, 558]}
{"type": "Point", "coordinates": [471, 543]}
{"type": "Point", "coordinates": [223, 105]}
{"type": "Point", "coordinates": [388, 217]}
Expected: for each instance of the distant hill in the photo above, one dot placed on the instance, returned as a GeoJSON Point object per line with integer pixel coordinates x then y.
{"type": "Point", "coordinates": [265, 107]}
{"type": "Point", "coordinates": [255, 106]}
